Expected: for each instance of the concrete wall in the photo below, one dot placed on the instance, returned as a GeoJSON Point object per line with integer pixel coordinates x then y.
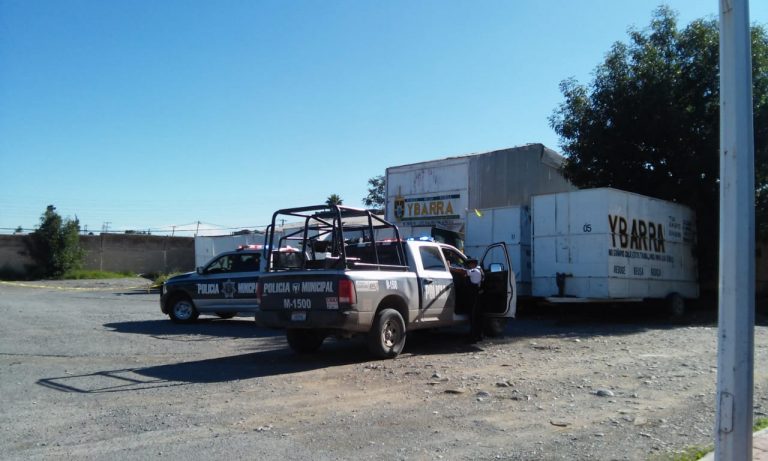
{"type": "Point", "coordinates": [14, 256]}
{"type": "Point", "coordinates": [138, 253]}
{"type": "Point", "coordinates": [114, 252]}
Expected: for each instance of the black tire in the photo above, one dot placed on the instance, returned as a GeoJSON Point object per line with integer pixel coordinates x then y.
{"type": "Point", "coordinates": [493, 327]}
{"type": "Point", "coordinates": [387, 336]}
{"type": "Point", "coordinates": [182, 310]}
{"type": "Point", "coordinates": [304, 341]}
{"type": "Point", "coordinates": [675, 306]}
{"type": "Point", "coordinates": [226, 315]}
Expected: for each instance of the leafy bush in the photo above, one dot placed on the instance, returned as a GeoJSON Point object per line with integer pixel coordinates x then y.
{"type": "Point", "coordinates": [55, 245]}
{"type": "Point", "coordinates": [159, 279]}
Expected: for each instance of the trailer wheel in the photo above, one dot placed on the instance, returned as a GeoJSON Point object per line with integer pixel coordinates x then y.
{"type": "Point", "coordinates": [304, 341]}
{"type": "Point", "coordinates": [675, 306]}
{"type": "Point", "coordinates": [226, 315]}
{"type": "Point", "coordinates": [494, 326]}
{"type": "Point", "coordinates": [387, 336]}
{"type": "Point", "coordinates": [183, 310]}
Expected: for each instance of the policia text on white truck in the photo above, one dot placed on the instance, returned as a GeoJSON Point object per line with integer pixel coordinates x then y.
{"type": "Point", "coordinates": [356, 276]}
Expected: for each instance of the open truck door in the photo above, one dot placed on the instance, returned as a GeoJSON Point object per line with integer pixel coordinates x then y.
{"type": "Point", "coordinates": [437, 292]}
{"type": "Point", "coordinates": [498, 297]}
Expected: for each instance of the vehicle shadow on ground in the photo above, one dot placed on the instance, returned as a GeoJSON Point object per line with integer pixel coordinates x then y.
{"type": "Point", "coordinates": [274, 358]}
{"type": "Point", "coordinates": [278, 360]}
{"type": "Point", "coordinates": [567, 322]}
{"type": "Point", "coordinates": [239, 327]}
{"type": "Point", "coordinates": [601, 319]}
{"type": "Point", "coordinates": [274, 362]}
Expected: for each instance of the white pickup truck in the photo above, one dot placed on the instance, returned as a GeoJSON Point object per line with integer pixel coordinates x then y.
{"type": "Point", "coordinates": [356, 276]}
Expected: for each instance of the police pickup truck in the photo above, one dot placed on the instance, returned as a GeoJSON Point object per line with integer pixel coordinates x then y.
{"type": "Point", "coordinates": [223, 287]}
{"type": "Point", "coordinates": [357, 276]}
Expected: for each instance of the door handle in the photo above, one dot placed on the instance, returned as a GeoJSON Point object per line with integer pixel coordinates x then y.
{"type": "Point", "coordinates": [426, 281]}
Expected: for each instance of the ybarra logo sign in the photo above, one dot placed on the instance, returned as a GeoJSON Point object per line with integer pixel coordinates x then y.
{"type": "Point", "coordinates": [427, 208]}
{"type": "Point", "coordinates": [637, 234]}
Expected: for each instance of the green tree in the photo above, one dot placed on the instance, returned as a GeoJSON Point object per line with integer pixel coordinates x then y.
{"type": "Point", "coordinates": [376, 197]}
{"type": "Point", "coordinates": [55, 245]}
{"type": "Point", "coordinates": [649, 121]}
{"type": "Point", "coordinates": [333, 199]}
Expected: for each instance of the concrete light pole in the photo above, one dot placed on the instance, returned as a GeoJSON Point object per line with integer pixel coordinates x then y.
{"type": "Point", "coordinates": [736, 326]}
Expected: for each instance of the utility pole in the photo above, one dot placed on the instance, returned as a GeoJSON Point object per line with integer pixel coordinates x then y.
{"type": "Point", "coordinates": [736, 325]}
{"type": "Point", "coordinates": [173, 230]}
{"type": "Point", "coordinates": [197, 228]}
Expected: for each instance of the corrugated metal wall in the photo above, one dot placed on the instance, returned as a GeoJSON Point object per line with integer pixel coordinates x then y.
{"type": "Point", "coordinates": [510, 177]}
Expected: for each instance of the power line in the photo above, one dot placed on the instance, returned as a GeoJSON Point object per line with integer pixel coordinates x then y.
{"type": "Point", "coordinates": [192, 227]}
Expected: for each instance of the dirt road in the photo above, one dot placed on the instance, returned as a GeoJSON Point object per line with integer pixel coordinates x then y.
{"type": "Point", "coordinates": [92, 370]}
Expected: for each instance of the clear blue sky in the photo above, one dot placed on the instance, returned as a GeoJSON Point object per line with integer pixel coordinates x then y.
{"type": "Point", "coordinates": [147, 114]}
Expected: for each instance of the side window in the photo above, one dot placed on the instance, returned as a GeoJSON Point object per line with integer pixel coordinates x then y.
{"type": "Point", "coordinates": [430, 258]}
{"type": "Point", "coordinates": [246, 263]}
{"type": "Point", "coordinates": [223, 264]}
{"type": "Point", "coordinates": [455, 260]}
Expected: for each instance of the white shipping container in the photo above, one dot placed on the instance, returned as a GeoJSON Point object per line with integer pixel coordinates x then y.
{"type": "Point", "coordinates": [610, 244]}
{"type": "Point", "coordinates": [511, 225]}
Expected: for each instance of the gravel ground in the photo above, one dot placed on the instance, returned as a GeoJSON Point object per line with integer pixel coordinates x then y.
{"type": "Point", "coordinates": [92, 370]}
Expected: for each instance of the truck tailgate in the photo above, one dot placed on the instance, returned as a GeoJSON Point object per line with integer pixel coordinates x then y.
{"type": "Point", "coordinates": [307, 300]}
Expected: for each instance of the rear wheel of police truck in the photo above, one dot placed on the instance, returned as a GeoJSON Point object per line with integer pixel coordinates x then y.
{"type": "Point", "coordinates": [387, 336]}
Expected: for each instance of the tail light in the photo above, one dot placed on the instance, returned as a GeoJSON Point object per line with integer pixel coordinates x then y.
{"type": "Point", "coordinates": [347, 293]}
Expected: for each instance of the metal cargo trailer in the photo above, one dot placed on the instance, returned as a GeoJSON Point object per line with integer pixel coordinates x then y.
{"type": "Point", "coordinates": [607, 244]}
{"type": "Point", "coordinates": [511, 225]}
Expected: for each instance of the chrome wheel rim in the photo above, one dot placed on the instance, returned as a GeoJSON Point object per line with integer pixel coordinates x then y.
{"type": "Point", "coordinates": [391, 334]}
{"type": "Point", "coordinates": [183, 310]}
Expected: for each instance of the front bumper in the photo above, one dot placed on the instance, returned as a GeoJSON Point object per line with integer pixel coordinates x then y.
{"type": "Point", "coordinates": [163, 299]}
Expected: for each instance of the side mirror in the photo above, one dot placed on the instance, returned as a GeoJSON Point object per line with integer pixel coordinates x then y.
{"type": "Point", "coordinates": [200, 271]}
{"type": "Point", "coordinates": [496, 267]}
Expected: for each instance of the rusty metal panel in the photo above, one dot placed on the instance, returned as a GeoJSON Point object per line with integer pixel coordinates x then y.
{"type": "Point", "coordinates": [509, 177]}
